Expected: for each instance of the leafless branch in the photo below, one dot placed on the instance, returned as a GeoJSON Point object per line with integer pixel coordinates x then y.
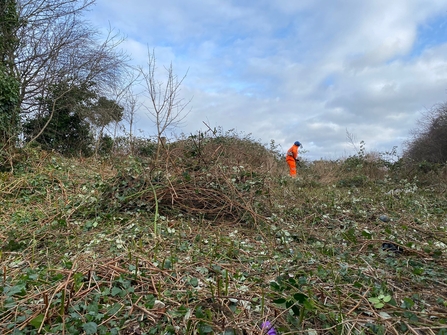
{"type": "Point", "coordinates": [167, 108]}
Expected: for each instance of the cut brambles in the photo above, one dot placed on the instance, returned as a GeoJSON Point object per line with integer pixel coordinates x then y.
{"type": "Point", "coordinates": [237, 244]}
{"type": "Point", "coordinates": [218, 186]}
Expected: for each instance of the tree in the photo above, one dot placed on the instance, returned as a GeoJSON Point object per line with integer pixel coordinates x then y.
{"type": "Point", "coordinates": [104, 112]}
{"type": "Point", "coordinates": [62, 126]}
{"type": "Point", "coordinates": [131, 106]}
{"type": "Point", "coordinates": [9, 116]}
{"type": "Point", "coordinates": [68, 115]}
{"type": "Point", "coordinates": [429, 140]}
{"type": "Point", "coordinates": [57, 45]}
{"type": "Point", "coordinates": [166, 106]}
{"type": "Point", "coordinates": [9, 84]}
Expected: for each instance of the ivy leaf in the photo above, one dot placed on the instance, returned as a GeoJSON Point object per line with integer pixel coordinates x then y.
{"type": "Point", "coordinates": [115, 308]}
{"type": "Point", "coordinates": [116, 291]}
{"type": "Point", "coordinates": [37, 321]}
{"type": "Point", "coordinates": [90, 328]}
{"type": "Point", "coordinates": [194, 282]}
{"type": "Point", "coordinates": [385, 315]}
{"type": "Point", "coordinates": [15, 290]}
{"type": "Point", "coordinates": [280, 301]}
{"type": "Point", "coordinates": [205, 329]}
{"type": "Point", "coordinates": [300, 297]}
{"type": "Point", "coordinates": [407, 303]}
{"type": "Point", "coordinates": [275, 286]}
{"type": "Point", "coordinates": [296, 310]}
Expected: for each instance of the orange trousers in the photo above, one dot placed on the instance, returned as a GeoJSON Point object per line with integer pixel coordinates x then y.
{"type": "Point", "coordinates": [292, 167]}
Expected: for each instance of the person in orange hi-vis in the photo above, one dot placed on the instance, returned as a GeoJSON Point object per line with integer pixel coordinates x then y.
{"type": "Point", "coordinates": [292, 158]}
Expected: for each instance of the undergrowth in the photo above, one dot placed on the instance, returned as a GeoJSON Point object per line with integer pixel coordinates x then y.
{"type": "Point", "coordinates": [215, 238]}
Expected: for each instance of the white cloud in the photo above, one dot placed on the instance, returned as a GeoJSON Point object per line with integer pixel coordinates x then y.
{"type": "Point", "coordinates": [295, 70]}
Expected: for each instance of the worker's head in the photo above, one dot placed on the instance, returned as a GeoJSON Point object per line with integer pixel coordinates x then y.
{"type": "Point", "coordinates": [297, 143]}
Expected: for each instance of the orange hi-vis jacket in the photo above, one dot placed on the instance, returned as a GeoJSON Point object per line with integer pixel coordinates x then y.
{"type": "Point", "coordinates": [291, 156]}
{"type": "Point", "coordinates": [292, 153]}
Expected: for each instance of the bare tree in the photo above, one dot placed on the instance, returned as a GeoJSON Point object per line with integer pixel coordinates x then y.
{"type": "Point", "coordinates": [167, 109]}
{"type": "Point", "coordinates": [131, 107]}
{"type": "Point", "coordinates": [429, 140]}
{"type": "Point", "coordinates": [351, 139]}
{"type": "Point", "coordinates": [57, 44]}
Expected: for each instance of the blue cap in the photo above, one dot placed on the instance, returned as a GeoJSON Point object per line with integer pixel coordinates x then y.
{"type": "Point", "coordinates": [297, 143]}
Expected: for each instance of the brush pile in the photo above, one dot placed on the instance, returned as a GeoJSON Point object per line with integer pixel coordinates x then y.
{"type": "Point", "coordinates": [212, 178]}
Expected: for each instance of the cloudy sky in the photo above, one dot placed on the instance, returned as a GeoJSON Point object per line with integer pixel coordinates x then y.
{"type": "Point", "coordinates": [286, 70]}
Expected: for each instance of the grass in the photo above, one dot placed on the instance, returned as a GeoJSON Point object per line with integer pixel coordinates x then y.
{"type": "Point", "coordinates": [214, 240]}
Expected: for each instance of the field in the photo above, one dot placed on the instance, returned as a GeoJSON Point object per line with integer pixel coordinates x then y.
{"type": "Point", "coordinates": [214, 237]}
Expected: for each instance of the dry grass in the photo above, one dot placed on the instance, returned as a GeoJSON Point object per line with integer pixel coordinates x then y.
{"type": "Point", "coordinates": [216, 238]}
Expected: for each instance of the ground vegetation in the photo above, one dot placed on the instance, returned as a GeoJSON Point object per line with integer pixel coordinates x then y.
{"type": "Point", "coordinates": [213, 237]}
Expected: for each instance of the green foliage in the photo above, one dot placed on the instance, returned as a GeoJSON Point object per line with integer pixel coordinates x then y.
{"type": "Point", "coordinates": [205, 183]}
{"type": "Point", "coordinates": [354, 181]}
{"type": "Point", "coordinates": [104, 111]}
{"type": "Point", "coordinates": [292, 297]}
{"type": "Point", "coordinates": [236, 243]}
{"type": "Point", "coordinates": [105, 145]}
{"type": "Point", "coordinates": [9, 100]}
{"type": "Point", "coordinates": [64, 125]}
{"type": "Point", "coordinates": [9, 84]}
{"type": "Point", "coordinates": [356, 162]}
{"type": "Point", "coordinates": [380, 300]}
{"type": "Point", "coordinates": [9, 22]}
{"type": "Point", "coordinates": [144, 147]}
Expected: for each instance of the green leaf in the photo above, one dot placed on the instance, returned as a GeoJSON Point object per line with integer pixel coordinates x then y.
{"type": "Point", "coordinates": [90, 328]}
{"type": "Point", "coordinates": [205, 329]}
{"type": "Point", "coordinates": [350, 235]}
{"type": "Point", "coordinates": [387, 298]}
{"type": "Point", "coordinates": [37, 321]}
{"type": "Point", "coordinates": [379, 305]}
{"type": "Point", "coordinates": [18, 289]}
{"type": "Point", "coordinates": [366, 234]}
{"type": "Point", "coordinates": [407, 303]}
{"type": "Point", "coordinates": [374, 300]}
{"type": "Point", "coordinates": [309, 305]}
{"type": "Point", "coordinates": [411, 316]}
{"type": "Point", "coordinates": [194, 282]}
{"type": "Point", "coordinates": [116, 291]}
{"type": "Point", "coordinates": [418, 271]}
{"type": "Point", "coordinates": [115, 308]}
{"type": "Point", "coordinates": [167, 264]}
{"type": "Point", "coordinates": [296, 310]}
{"type": "Point", "coordinates": [199, 313]}
{"type": "Point", "coordinates": [275, 286]}
{"type": "Point", "coordinates": [384, 315]}
{"type": "Point", "coordinates": [280, 301]}
{"type": "Point", "coordinates": [300, 297]}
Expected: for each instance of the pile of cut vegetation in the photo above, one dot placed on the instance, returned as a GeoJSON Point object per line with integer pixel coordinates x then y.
{"type": "Point", "coordinates": [222, 178]}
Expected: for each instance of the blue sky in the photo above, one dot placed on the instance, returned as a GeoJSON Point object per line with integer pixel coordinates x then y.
{"type": "Point", "coordinates": [308, 70]}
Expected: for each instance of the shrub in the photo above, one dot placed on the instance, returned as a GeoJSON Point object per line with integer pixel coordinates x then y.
{"type": "Point", "coordinates": [429, 141]}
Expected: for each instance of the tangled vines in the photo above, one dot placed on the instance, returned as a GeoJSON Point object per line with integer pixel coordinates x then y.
{"type": "Point", "coordinates": [211, 184]}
